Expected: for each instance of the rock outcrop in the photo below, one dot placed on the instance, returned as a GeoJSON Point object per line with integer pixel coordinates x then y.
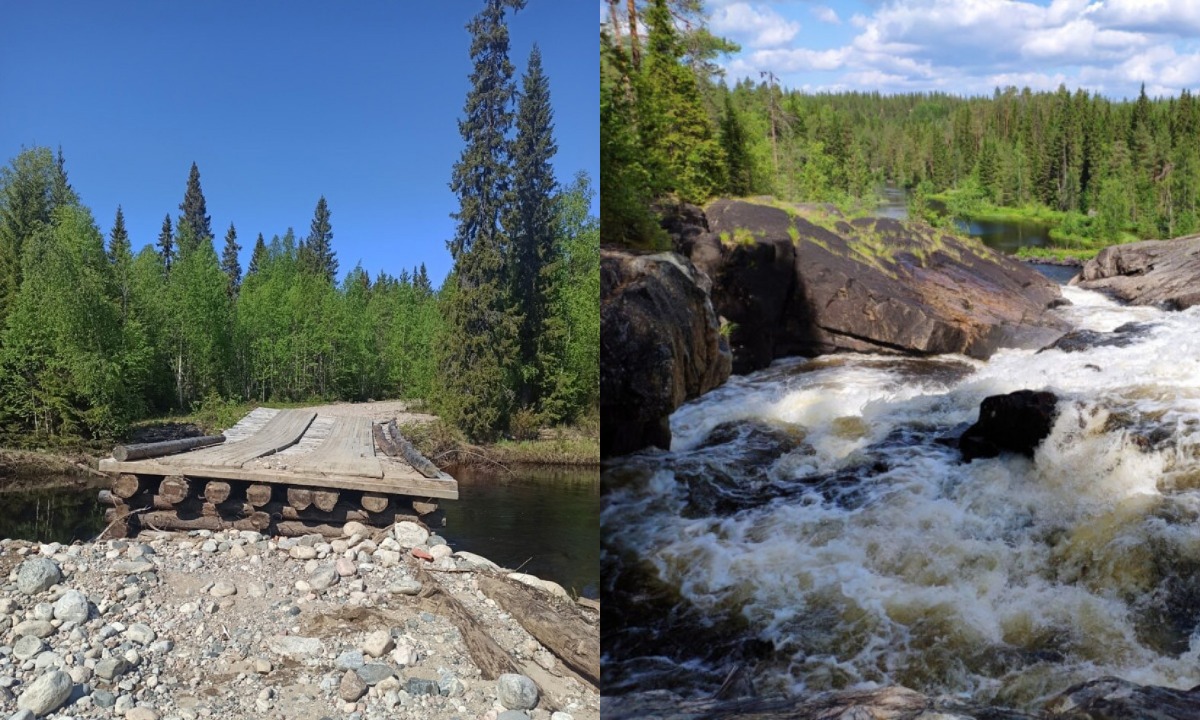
{"type": "Point", "coordinates": [1016, 422]}
{"type": "Point", "coordinates": [1152, 272]}
{"type": "Point", "coordinates": [802, 280]}
{"type": "Point", "coordinates": [660, 345]}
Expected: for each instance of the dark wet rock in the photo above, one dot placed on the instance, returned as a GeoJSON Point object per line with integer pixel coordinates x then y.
{"type": "Point", "coordinates": [730, 470]}
{"type": "Point", "coordinates": [1080, 340]}
{"type": "Point", "coordinates": [791, 286]}
{"type": "Point", "coordinates": [1111, 698]}
{"type": "Point", "coordinates": [1165, 273]}
{"type": "Point", "coordinates": [1016, 422]}
{"type": "Point", "coordinates": [660, 346]}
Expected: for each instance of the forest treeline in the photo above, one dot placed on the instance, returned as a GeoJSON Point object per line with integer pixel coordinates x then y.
{"type": "Point", "coordinates": [672, 126]}
{"type": "Point", "coordinates": [95, 336]}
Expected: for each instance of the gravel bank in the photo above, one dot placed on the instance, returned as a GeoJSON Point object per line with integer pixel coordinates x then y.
{"type": "Point", "coordinates": [237, 625]}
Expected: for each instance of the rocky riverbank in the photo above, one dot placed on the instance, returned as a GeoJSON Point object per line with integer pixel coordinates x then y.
{"type": "Point", "coordinates": [376, 624]}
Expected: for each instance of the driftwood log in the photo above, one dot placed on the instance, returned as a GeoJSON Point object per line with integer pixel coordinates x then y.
{"type": "Point", "coordinates": [564, 632]}
{"type": "Point", "coordinates": [125, 453]}
{"type": "Point", "coordinates": [487, 655]}
{"type": "Point", "coordinates": [406, 450]}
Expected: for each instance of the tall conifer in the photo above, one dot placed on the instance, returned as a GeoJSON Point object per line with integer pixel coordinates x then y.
{"type": "Point", "coordinates": [195, 212]}
{"type": "Point", "coordinates": [166, 245]}
{"type": "Point", "coordinates": [229, 261]}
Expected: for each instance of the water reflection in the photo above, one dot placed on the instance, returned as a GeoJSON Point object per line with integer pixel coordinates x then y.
{"type": "Point", "coordinates": [50, 509]}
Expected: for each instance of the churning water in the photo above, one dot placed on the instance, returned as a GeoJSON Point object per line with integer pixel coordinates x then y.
{"type": "Point", "coordinates": [813, 524]}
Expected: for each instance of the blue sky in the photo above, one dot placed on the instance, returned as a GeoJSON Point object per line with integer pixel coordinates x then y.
{"type": "Point", "coordinates": [965, 46]}
{"type": "Point", "coordinates": [279, 103]}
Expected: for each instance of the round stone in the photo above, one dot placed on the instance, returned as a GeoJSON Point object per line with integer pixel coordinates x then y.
{"type": "Point", "coordinates": [46, 694]}
{"type": "Point", "coordinates": [27, 646]}
{"type": "Point", "coordinates": [323, 578]}
{"type": "Point", "coordinates": [344, 567]}
{"type": "Point", "coordinates": [37, 574]}
{"type": "Point", "coordinates": [141, 712]}
{"type": "Point", "coordinates": [223, 588]}
{"type": "Point", "coordinates": [72, 606]}
{"type": "Point", "coordinates": [517, 692]}
{"type": "Point", "coordinates": [409, 534]}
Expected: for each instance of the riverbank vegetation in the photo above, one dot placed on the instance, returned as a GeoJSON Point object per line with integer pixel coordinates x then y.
{"type": "Point", "coordinates": [1097, 171]}
{"type": "Point", "coordinates": [96, 334]}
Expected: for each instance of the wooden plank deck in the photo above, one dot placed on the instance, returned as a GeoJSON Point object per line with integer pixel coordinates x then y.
{"type": "Point", "coordinates": [281, 431]}
{"type": "Point", "coordinates": [349, 450]}
{"type": "Point", "coordinates": [295, 447]}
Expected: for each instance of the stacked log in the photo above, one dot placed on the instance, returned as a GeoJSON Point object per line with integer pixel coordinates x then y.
{"type": "Point", "coordinates": [175, 502]}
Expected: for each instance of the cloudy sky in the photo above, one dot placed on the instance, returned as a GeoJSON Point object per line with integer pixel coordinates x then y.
{"type": "Point", "coordinates": [965, 46]}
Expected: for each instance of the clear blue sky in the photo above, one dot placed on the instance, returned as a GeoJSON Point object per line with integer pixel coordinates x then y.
{"type": "Point", "coordinates": [279, 103]}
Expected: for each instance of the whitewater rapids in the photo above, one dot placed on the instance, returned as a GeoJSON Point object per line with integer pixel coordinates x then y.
{"type": "Point", "coordinates": [863, 552]}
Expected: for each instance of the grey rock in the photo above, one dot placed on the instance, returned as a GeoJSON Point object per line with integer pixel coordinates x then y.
{"type": "Point", "coordinates": [37, 574]}
{"type": "Point", "coordinates": [140, 634]}
{"type": "Point", "coordinates": [378, 643]}
{"type": "Point", "coordinates": [406, 587]}
{"type": "Point", "coordinates": [104, 698]}
{"type": "Point", "coordinates": [517, 692]}
{"type": "Point", "coordinates": [352, 687]}
{"type": "Point", "coordinates": [295, 647]}
{"type": "Point", "coordinates": [72, 606]}
{"type": "Point", "coordinates": [46, 694]}
{"type": "Point", "coordinates": [131, 567]}
{"type": "Point", "coordinates": [43, 611]}
{"type": "Point", "coordinates": [409, 534]}
{"type": "Point", "coordinates": [323, 578]}
{"type": "Point", "coordinates": [26, 647]}
{"type": "Point", "coordinates": [375, 673]}
{"type": "Point", "coordinates": [450, 685]}
{"type": "Point", "coordinates": [421, 686]}
{"type": "Point", "coordinates": [111, 668]}
{"type": "Point", "coordinates": [223, 588]}
{"type": "Point", "coordinates": [22, 715]}
{"type": "Point", "coordinates": [512, 715]}
{"type": "Point", "coordinates": [209, 546]}
{"type": "Point", "coordinates": [36, 628]}
{"type": "Point", "coordinates": [350, 660]}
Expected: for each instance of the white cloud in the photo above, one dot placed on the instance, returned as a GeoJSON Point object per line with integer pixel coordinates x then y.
{"type": "Point", "coordinates": [788, 61]}
{"type": "Point", "coordinates": [826, 14]}
{"type": "Point", "coordinates": [1170, 17]}
{"type": "Point", "coordinates": [758, 25]}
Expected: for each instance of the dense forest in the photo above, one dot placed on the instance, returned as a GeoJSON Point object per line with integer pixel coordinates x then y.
{"type": "Point", "coordinates": [1103, 170]}
{"type": "Point", "coordinates": [95, 336]}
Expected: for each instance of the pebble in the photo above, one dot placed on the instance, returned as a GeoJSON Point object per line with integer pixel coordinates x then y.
{"type": "Point", "coordinates": [374, 673]}
{"type": "Point", "coordinates": [350, 660]}
{"type": "Point", "coordinates": [111, 668]}
{"type": "Point", "coordinates": [295, 647]}
{"type": "Point", "coordinates": [141, 712]}
{"type": "Point", "coordinates": [132, 567]}
{"type": "Point", "coordinates": [140, 633]}
{"type": "Point", "coordinates": [263, 666]}
{"type": "Point", "coordinates": [517, 692]}
{"type": "Point", "coordinates": [26, 647]}
{"type": "Point", "coordinates": [353, 528]}
{"type": "Point", "coordinates": [409, 534]}
{"type": "Point", "coordinates": [352, 687]}
{"type": "Point", "coordinates": [437, 552]}
{"type": "Point", "coordinates": [404, 655]}
{"type": "Point", "coordinates": [223, 588]}
{"type": "Point", "coordinates": [37, 574]}
{"type": "Point", "coordinates": [36, 628]}
{"type": "Point", "coordinates": [405, 587]}
{"type": "Point", "coordinates": [323, 578]}
{"type": "Point", "coordinates": [344, 567]}
{"type": "Point", "coordinates": [303, 552]}
{"type": "Point", "coordinates": [421, 686]}
{"type": "Point", "coordinates": [512, 715]}
{"type": "Point", "coordinates": [378, 643]}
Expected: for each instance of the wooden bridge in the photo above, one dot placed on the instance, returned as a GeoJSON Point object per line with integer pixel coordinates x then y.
{"type": "Point", "coordinates": [294, 471]}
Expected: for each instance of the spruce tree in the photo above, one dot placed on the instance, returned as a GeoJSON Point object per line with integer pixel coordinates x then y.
{"type": "Point", "coordinates": [62, 193]}
{"type": "Point", "coordinates": [530, 226]}
{"type": "Point", "coordinates": [195, 212]}
{"type": "Point", "coordinates": [166, 245]}
{"type": "Point", "coordinates": [32, 187]}
{"type": "Point", "coordinates": [737, 152]}
{"type": "Point", "coordinates": [258, 257]}
{"type": "Point", "coordinates": [229, 261]}
{"type": "Point", "coordinates": [316, 252]}
{"type": "Point", "coordinates": [121, 258]}
{"type": "Point", "coordinates": [478, 344]}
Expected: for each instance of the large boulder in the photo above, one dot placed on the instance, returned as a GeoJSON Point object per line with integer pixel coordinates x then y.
{"type": "Point", "coordinates": [802, 280]}
{"type": "Point", "coordinates": [1152, 272]}
{"type": "Point", "coordinates": [660, 345]}
{"type": "Point", "coordinates": [1016, 422]}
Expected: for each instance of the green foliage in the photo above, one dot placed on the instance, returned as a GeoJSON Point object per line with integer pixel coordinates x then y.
{"type": "Point", "coordinates": [195, 213]}
{"type": "Point", "coordinates": [316, 253]}
{"type": "Point", "coordinates": [229, 262]}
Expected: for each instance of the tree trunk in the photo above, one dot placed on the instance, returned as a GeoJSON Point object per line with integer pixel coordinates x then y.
{"type": "Point", "coordinates": [174, 488]}
{"type": "Point", "coordinates": [635, 51]}
{"type": "Point", "coordinates": [125, 453]}
{"type": "Point", "coordinates": [127, 485]}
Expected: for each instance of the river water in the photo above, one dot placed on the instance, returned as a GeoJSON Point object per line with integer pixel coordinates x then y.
{"type": "Point", "coordinates": [1007, 236]}
{"type": "Point", "coordinates": [814, 525]}
{"type": "Point", "coordinates": [545, 521]}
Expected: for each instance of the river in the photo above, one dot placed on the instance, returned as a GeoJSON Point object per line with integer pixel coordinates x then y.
{"type": "Point", "coordinates": [543, 520]}
{"type": "Point", "coordinates": [814, 525]}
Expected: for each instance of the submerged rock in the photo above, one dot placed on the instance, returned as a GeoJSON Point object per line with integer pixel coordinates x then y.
{"type": "Point", "coordinates": [660, 346]}
{"type": "Point", "coordinates": [1081, 340]}
{"type": "Point", "coordinates": [1111, 698]}
{"type": "Point", "coordinates": [1153, 272]}
{"type": "Point", "coordinates": [803, 281]}
{"type": "Point", "coordinates": [1016, 422]}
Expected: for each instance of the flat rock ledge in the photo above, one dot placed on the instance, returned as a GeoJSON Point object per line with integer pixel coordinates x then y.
{"type": "Point", "coordinates": [1165, 273]}
{"type": "Point", "coordinates": [180, 626]}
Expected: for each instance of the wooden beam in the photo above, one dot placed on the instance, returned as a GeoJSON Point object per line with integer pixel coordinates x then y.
{"type": "Point", "coordinates": [217, 491]}
{"type": "Point", "coordinates": [325, 499]}
{"type": "Point", "coordinates": [564, 632]}
{"type": "Point", "coordinates": [127, 485]}
{"type": "Point", "coordinates": [487, 655]}
{"type": "Point", "coordinates": [374, 502]}
{"type": "Point", "coordinates": [258, 494]}
{"type": "Point", "coordinates": [174, 488]}
{"type": "Point", "coordinates": [167, 447]}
